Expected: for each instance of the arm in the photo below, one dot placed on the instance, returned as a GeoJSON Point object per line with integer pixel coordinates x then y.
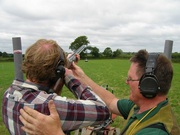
{"type": "Point", "coordinates": [38, 123]}
{"type": "Point", "coordinates": [106, 96]}
{"type": "Point", "coordinates": [78, 113]}
{"type": "Point", "coordinates": [88, 110]}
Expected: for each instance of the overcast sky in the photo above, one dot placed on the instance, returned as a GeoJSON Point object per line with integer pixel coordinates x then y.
{"type": "Point", "coordinates": [128, 25]}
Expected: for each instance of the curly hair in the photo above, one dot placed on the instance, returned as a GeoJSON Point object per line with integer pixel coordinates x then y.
{"type": "Point", "coordinates": [163, 70]}
{"type": "Point", "coordinates": [41, 59]}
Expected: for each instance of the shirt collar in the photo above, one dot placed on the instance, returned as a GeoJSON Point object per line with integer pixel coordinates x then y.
{"type": "Point", "coordinates": [139, 116]}
{"type": "Point", "coordinates": [25, 85]}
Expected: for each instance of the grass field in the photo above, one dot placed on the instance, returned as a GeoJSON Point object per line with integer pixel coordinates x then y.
{"type": "Point", "coordinates": [105, 72]}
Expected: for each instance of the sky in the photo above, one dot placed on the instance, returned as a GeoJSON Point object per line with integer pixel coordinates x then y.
{"type": "Point", "coordinates": [129, 25]}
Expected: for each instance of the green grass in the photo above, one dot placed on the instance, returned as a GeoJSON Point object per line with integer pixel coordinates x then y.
{"type": "Point", "coordinates": [6, 78]}
{"type": "Point", "coordinates": [105, 72]}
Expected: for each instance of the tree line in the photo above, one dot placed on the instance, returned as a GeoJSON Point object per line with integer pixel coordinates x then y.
{"type": "Point", "coordinates": [93, 52]}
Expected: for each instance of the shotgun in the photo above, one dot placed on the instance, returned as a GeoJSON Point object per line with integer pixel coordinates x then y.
{"type": "Point", "coordinates": [73, 55]}
{"type": "Point", "coordinates": [60, 82]}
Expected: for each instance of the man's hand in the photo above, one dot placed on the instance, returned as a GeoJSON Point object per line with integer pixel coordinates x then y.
{"type": "Point", "coordinates": [78, 72]}
{"type": "Point", "coordinates": [77, 58]}
{"type": "Point", "coordinates": [36, 123]}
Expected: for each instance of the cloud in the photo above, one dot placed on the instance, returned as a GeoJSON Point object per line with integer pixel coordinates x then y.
{"type": "Point", "coordinates": [127, 25]}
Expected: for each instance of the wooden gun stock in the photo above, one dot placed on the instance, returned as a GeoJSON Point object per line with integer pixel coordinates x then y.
{"type": "Point", "coordinates": [59, 86]}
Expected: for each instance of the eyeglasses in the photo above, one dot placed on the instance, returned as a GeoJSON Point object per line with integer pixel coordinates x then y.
{"type": "Point", "coordinates": [131, 80]}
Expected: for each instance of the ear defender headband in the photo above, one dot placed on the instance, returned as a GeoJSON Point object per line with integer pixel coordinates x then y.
{"type": "Point", "coordinates": [148, 84]}
{"type": "Point", "coordinates": [60, 70]}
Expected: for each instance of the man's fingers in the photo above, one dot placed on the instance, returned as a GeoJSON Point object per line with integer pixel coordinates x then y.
{"type": "Point", "coordinates": [27, 125]}
{"type": "Point", "coordinates": [52, 109]}
{"type": "Point", "coordinates": [22, 120]}
{"type": "Point", "coordinates": [74, 66]}
{"type": "Point", "coordinates": [29, 131]}
{"type": "Point", "coordinates": [26, 116]}
{"type": "Point", "coordinates": [77, 58]}
{"type": "Point", "coordinates": [31, 112]}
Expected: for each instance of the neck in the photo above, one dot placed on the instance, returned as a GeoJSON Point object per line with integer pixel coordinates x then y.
{"type": "Point", "coordinates": [147, 104]}
{"type": "Point", "coordinates": [36, 83]}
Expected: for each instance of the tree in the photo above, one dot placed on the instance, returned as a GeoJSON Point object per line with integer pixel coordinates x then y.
{"type": "Point", "coordinates": [117, 53]}
{"type": "Point", "coordinates": [108, 52]}
{"type": "Point", "coordinates": [95, 52]}
{"type": "Point", "coordinates": [78, 42]}
{"type": "Point", "coordinates": [4, 54]}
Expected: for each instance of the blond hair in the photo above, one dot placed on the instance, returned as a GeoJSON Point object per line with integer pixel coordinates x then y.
{"type": "Point", "coordinates": [41, 59]}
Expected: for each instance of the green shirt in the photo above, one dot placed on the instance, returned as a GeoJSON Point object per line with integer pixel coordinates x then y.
{"type": "Point", "coordinates": [125, 106]}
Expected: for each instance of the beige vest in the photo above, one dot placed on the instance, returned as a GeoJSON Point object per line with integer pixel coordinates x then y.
{"type": "Point", "coordinates": [164, 116]}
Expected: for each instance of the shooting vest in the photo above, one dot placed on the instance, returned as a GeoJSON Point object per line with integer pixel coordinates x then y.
{"type": "Point", "coordinates": [163, 116]}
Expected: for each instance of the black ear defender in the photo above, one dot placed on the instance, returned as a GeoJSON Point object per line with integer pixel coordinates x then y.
{"type": "Point", "coordinates": [60, 70]}
{"type": "Point", "coordinates": [148, 84]}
